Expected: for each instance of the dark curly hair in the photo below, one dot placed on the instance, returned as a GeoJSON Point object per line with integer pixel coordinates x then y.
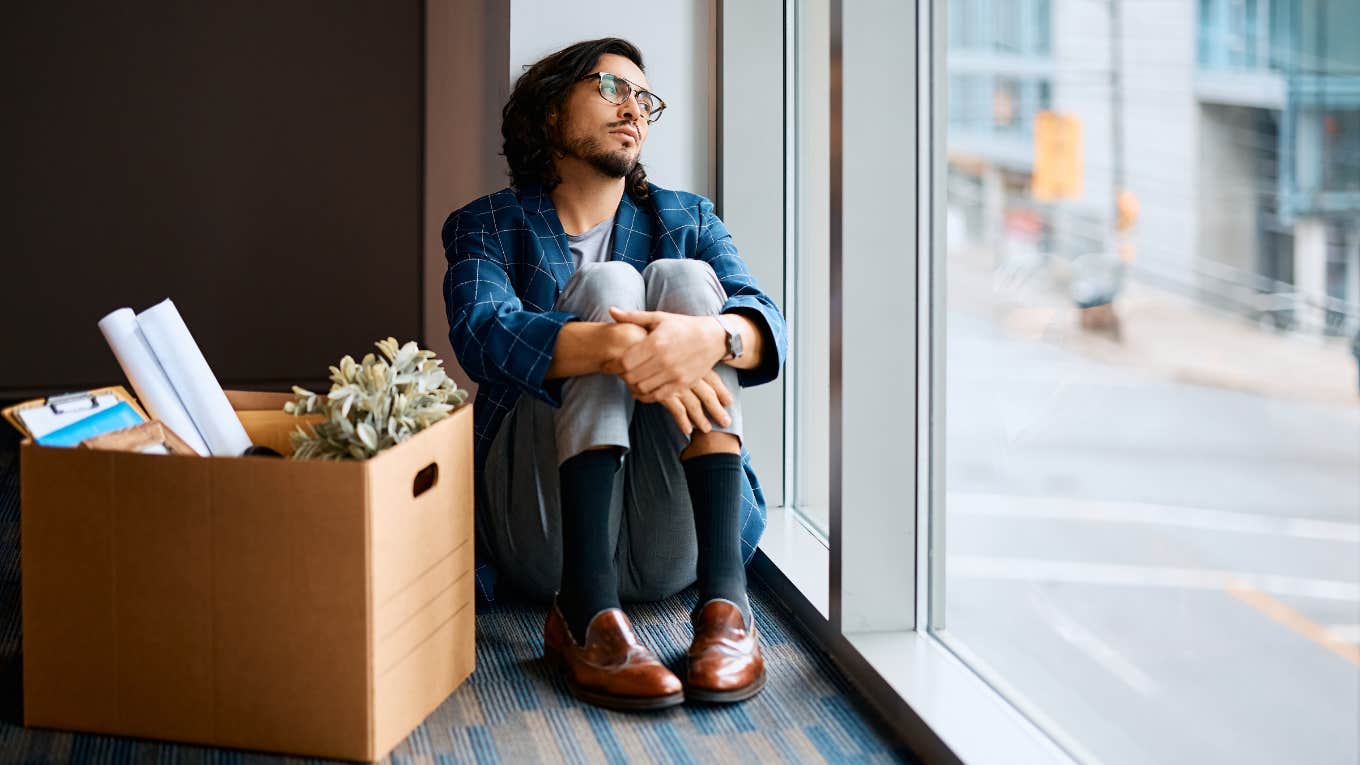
{"type": "Point", "coordinates": [529, 138]}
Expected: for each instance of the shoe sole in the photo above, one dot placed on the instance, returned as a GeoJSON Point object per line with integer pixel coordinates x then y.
{"type": "Point", "coordinates": [625, 703]}
{"type": "Point", "coordinates": [611, 701]}
{"type": "Point", "coordinates": [726, 697]}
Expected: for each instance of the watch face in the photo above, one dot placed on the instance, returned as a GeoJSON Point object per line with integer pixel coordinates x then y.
{"type": "Point", "coordinates": [733, 341]}
{"type": "Point", "coordinates": [734, 345]}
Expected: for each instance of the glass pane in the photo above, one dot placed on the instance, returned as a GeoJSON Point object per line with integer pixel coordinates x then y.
{"type": "Point", "coordinates": [812, 314]}
{"type": "Point", "coordinates": [1152, 493]}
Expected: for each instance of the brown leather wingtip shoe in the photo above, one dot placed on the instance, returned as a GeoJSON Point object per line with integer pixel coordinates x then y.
{"type": "Point", "coordinates": [612, 669]}
{"type": "Point", "coordinates": [725, 663]}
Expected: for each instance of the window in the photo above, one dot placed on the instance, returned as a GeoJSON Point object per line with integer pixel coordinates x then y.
{"type": "Point", "coordinates": [1152, 511]}
{"type": "Point", "coordinates": [1071, 412]}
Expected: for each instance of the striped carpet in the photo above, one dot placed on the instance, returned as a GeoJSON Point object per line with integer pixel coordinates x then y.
{"type": "Point", "coordinates": [512, 709]}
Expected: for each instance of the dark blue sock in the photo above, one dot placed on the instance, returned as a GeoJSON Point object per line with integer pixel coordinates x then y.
{"type": "Point", "coordinates": [590, 583]}
{"type": "Point", "coordinates": [714, 482]}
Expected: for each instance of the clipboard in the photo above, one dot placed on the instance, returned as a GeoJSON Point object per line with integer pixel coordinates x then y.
{"type": "Point", "coordinates": [40, 416]}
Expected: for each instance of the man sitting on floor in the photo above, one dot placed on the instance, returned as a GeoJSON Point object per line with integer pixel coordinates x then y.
{"type": "Point", "coordinates": [625, 314]}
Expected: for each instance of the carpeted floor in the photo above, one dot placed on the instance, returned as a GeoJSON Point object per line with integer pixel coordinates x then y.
{"type": "Point", "coordinates": [513, 709]}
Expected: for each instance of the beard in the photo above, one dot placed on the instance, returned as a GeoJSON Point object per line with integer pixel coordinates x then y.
{"type": "Point", "coordinates": [611, 164]}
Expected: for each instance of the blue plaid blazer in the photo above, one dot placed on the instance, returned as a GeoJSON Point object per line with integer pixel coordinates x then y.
{"type": "Point", "coordinates": [507, 262]}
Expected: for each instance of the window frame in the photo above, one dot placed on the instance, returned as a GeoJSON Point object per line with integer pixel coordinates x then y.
{"type": "Point", "coordinates": [872, 605]}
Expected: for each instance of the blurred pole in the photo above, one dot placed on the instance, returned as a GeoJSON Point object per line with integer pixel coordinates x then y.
{"type": "Point", "coordinates": [1116, 105]}
{"type": "Point", "coordinates": [1101, 316]}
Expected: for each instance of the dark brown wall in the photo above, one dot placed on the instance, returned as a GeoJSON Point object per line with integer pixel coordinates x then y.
{"type": "Point", "coordinates": [259, 163]}
{"type": "Point", "coordinates": [467, 81]}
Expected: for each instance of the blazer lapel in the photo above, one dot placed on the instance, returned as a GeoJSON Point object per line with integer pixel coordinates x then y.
{"type": "Point", "coordinates": [632, 234]}
{"type": "Point", "coordinates": [547, 229]}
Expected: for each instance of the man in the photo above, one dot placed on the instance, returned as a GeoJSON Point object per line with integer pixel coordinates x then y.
{"type": "Point", "coordinates": [610, 324]}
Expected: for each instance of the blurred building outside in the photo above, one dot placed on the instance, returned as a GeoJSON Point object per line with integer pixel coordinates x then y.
{"type": "Point", "coordinates": [1184, 177]}
{"type": "Point", "coordinates": [1203, 152]}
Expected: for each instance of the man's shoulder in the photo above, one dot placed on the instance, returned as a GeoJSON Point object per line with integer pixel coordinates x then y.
{"type": "Point", "coordinates": [680, 209]}
{"type": "Point", "coordinates": [503, 202]}
{"type": "Point", "coordinates": [494, 213]}
{"type": "Point", "coordinates": [667, 201]}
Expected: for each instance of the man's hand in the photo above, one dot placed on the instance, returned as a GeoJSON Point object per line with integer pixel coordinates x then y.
{"type": "Point", "coordinates": [692, 407]}
{"type": "Point", "coordinates": [677, 352]}
{"type": "Point", "coordinates": [587, 347]}
{"type": "Point", "coordinates": [621, 337]}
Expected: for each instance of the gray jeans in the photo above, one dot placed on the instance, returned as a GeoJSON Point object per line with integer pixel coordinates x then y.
{"type": "Point", "coordinates": [650, 519]}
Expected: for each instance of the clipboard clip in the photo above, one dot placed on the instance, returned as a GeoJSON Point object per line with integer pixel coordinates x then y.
{"type": "Point", "coordinates": [72, 402]}
{"type": "Point", "coordinates": [36, 418]}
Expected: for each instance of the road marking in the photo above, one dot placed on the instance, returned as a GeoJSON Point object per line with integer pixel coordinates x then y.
{"type": "Point", "coordinates": [1012, 506]}
{"type": "Point", "coordinates": [1035, 570]}
{"type": "Point", "coordinates": [1294, 620]}
{"type": "Point", "coordinates": [1346, 633]}
{"type": "Point", "coordinates": [1097, 650]}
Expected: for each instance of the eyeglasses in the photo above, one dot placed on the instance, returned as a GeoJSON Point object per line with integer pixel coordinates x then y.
{"type": "Point", "coordinates": [616, 90]}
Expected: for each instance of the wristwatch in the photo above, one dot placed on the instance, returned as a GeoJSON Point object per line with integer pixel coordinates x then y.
{"type": "Point", "coordinates": [734, 347]}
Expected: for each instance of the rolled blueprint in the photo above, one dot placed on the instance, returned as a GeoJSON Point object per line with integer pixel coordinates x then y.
{"type": "Point", "coordinates": [148, 379]}
{"type": "Point", "coordinates": [193, 379]}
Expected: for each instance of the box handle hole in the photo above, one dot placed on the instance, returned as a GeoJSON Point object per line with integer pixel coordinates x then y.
{"type": "Point", "coordinates": [425, 480]}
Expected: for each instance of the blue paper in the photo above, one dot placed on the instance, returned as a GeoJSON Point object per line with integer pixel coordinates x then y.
{"type": "Point", "coordinates": [116, 417]}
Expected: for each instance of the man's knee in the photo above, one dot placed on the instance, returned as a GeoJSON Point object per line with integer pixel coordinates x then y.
{"type": "Point", "coordinates": [597, 286]}
{"type": "Point", "coordinates": [683, 285]}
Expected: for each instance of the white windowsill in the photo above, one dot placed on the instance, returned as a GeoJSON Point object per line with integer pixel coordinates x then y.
{"type": "Point", "coordinates": [800, 556]}
{"type": "Point", "coordinates": [911, 677]}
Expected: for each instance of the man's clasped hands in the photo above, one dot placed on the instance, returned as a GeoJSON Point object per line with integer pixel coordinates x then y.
{"type": "Point", "coordinates": [668, 358]}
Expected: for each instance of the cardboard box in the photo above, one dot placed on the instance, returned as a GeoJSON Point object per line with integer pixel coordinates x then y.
{"type": "Point", "coordinates": [308, 607]}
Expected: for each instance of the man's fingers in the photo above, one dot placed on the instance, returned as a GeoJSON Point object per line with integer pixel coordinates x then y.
{"type": "Point", "coordinates": [644, 319]}
{"type": "Point", "coordinates": [664, 393]}
{"type": "Point", "coordinates": [654, 395]}
{"type": "Point", "coordinates": [662, 379]}
{"type": "Point", "coordinates": [724, 395]}
{"type": "Point", "coordinates": [622, 314]}
{"type": "Point", "coordinates": [631, 358]}
{"type": "Point", "coordinates": [640, 396]}
{"type": "Point", "coordinates": [678, 413]}
{"type": "Point", "coordinates": [639, 362]}
{"type": "Point", "coordinates": [643, 360]}
{"type": "Point", "coordinates": [709, 398]}
{"type": "Point", "coordinates": [695, 410]}
{"type": "Point", "coordinates": [670, 390]}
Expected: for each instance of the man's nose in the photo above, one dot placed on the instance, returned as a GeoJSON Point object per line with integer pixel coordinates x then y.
{"type": "Point", "coordinates": [630, 109]}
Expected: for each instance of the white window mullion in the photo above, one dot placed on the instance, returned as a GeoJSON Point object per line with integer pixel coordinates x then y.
{"type": "Point", "coordinates": [873, 519]}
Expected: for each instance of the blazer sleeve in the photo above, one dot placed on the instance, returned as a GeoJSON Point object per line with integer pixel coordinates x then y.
{"type": "Point", "coordinates": [496, 339]}
{"type": "Point", "coordinates": [744, 296]}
